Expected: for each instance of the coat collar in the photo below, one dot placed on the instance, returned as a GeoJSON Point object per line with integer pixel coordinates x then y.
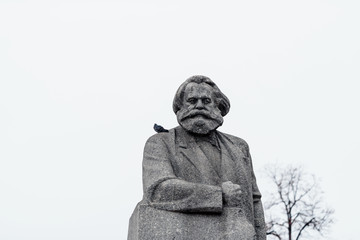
{"type": "Point", "coordinates": [190, 151]}
{"type": "Point", "coordinates": [184, 138]}
{"type": "Point", "coordinates": [187, 140]}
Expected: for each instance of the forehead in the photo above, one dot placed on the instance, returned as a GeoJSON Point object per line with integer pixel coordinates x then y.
{"type": "Point", "coordinates": [198, 90]}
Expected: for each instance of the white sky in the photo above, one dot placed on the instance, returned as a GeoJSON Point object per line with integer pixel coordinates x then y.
{"type": "Point", "coordinates": [82, 83]}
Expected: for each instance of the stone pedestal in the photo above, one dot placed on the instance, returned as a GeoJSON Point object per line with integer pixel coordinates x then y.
{"type": "Point", "coordinates": [148, 223]}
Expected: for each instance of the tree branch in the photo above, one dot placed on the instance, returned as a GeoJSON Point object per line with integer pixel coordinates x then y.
{"type": "Point", "coordinates": [303, 227]}
{"type": "Point", "coordinates": [274, 233]}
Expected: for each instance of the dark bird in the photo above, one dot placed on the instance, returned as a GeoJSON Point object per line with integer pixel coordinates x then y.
{"type": "Point", "coordinates": [159, 128]}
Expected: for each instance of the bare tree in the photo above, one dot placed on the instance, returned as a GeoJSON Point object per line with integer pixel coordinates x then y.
{"type": "Point", "coordinates": [296, 208]}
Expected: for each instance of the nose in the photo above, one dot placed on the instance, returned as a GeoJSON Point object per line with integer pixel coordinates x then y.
{"type": "Point", "coordinates": [199, 104]}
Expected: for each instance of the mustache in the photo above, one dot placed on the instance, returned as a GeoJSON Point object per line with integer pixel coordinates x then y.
{"type": "Point", "coordinates": [194, 113]}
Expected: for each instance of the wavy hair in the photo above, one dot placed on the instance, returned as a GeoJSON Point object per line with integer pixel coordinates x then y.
{"type": "Point", "coordinates": [222, 101]}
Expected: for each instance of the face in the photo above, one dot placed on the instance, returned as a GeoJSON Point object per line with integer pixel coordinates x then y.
{"type": "Point", "coordinates": [199, 113]}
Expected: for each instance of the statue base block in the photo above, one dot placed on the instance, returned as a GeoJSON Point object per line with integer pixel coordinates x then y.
{"type": "Point", "coordinates": [148, 223]}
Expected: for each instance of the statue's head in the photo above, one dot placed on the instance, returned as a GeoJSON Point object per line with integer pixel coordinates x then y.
{"type": "Point", "coordinates": [200, 105]}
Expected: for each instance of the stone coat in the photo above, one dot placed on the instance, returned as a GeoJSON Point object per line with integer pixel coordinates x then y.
{"type": "Point", "coordinates": [178, 177]}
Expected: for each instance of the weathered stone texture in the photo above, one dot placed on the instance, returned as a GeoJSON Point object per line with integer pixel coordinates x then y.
{"type": "Point", "coordinates": [198, 182]}
{"type": "Point", "coordinates": [148, 223]}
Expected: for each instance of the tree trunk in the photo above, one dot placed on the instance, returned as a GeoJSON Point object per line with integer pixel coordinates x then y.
{"type": "Point", "coordinates": [290, 229]}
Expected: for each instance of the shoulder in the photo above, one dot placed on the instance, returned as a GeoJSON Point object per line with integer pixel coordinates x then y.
{"type": "Point", "coordinates": [235, 140]}
{"type": "Point", "coordinates": [162, 137]}
{"type": "Point", "coordinates": [160, 143]}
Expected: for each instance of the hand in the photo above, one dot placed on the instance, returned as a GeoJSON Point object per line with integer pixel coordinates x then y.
{"type": "Point", "coordinates": [231, 194]}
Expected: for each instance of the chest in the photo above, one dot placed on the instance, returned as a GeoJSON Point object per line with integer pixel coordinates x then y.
{"type": "Point", "coordinates": [211, 166]}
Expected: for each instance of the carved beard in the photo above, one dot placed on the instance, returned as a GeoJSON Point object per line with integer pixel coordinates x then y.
{"type": "Point", "coordinates": [199, 121]}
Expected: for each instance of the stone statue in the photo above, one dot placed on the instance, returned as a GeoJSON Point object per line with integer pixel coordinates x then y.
{"type": "Point", "coordinates": [198, 182]}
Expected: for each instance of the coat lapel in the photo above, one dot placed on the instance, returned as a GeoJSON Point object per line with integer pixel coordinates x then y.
{"type": "Point", "coordinates": [228, 166]}
{"type": "Point", "coordinates": [189, 150]}
{"type": "Point", "coordinates": [235, 164]}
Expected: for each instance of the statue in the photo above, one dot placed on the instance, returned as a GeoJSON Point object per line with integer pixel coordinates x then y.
{"type": "Point", "coordinates": [198, 182]}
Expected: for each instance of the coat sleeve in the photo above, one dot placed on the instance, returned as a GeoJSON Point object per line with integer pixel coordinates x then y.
{"type": "Point", "coordinates": [259, 219]}
{"type": "Point", "coordinates": [164, 190]}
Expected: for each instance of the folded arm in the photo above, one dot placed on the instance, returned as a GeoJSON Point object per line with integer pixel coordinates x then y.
{"type": "Point", "coordinates": [163, 190]}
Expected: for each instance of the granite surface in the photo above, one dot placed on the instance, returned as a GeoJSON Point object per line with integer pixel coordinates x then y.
{"type": "Point", "coordinates": [198, 182]}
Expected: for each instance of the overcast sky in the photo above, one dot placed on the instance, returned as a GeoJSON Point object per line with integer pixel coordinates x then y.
{"type": "Point", "coordinates": [83, 82]}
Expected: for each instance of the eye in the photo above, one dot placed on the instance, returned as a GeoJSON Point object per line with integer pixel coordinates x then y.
{"type": "Point", "coordinates": [192, 100]}
{"type": "Point", "coordinates": [206, 100]}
